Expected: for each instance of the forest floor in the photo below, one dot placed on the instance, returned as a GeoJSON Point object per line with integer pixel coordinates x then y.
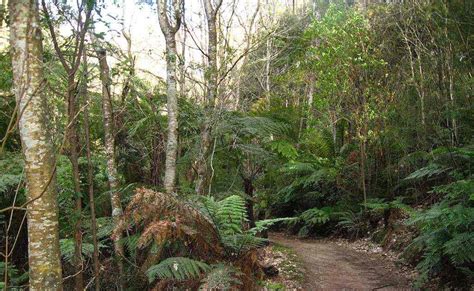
{"type": "Point", "coordinates": [335, 264]}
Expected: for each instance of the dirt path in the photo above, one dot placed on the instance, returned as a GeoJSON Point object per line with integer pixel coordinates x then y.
{"type": "Point", "coordinates": [333, 267]}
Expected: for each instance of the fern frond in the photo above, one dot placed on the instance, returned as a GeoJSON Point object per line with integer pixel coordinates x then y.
{"type": "Point", "coordinates": [240, 243]}
{"type": "Point", "coordinates": [231, 214]}
{"type": "Point", "coordinates": [263, 225]}
{"type": "Point", "coordinates": [427, 172]}
{"type": "Point", "coordinates": [177, 268]}
{"type": "Point", "coordinates": [165, 216]}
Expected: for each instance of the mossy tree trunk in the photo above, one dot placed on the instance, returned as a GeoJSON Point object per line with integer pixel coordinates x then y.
{"type": "Point", "coordinates": [42, 211]}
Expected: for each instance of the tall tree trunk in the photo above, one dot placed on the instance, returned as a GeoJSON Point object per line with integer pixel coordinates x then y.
{"type": "Point", "coordinates": [169, 31]}
{"type": "Point", "coordinates": [42, 211]}
{"type": "Point", "coordinates": [267, 69]}
{"type": "Point", "coordinates": [73, 142]}
{"type": "Point", "coordinates": [110, 151]}
{"type": "Point", "coordinates": [182, 61]}
{"type": "Point", "coordinates": [211, 94]}
{"type": "Point", "coordinates": [71, 65]}
{"type": "Point", "coordinates": [172, 106]}
{"type": "Point", "coordinates": [90, 176]}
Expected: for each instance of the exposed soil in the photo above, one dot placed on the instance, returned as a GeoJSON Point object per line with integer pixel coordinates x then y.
{"type": "Point", "coordinates": [332, 266]}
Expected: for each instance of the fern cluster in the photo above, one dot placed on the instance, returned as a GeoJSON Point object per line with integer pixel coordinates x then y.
{"type": "Point", "coordinates": [446, 237]}
{"type": "Point", "coordinates": [211, 230]}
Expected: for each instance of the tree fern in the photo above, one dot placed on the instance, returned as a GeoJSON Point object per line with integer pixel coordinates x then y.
{"type": "Point", "coordinates": [177, 268]}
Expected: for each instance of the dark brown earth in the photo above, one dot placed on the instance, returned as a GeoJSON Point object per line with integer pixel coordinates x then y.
{"type": "Point", "coordinates": [335, 267]}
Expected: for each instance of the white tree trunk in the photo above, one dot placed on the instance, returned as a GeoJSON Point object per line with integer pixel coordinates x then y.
{"type": "Point", "coordinates": [112, 172]}
{"type": "Point", "coordinates": [169, 30]}
{"type": "Point", "coordinates": [43, 236]}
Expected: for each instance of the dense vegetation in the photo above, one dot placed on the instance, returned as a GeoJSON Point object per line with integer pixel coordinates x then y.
{"type": "Point", "coordinates": [336, 120]}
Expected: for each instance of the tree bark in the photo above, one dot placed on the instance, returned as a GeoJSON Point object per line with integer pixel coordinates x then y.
{"type": "Point", "coordinates": [110, 151]}
{"type": "Point", "coordinates": [211, 88]}
{"type": "Point", "coordinates": [73, 142]}
{"type": "Point", "coordinates": [71, 66]}
{"type": "Point", "coordinates": [42, 211]}
{"type": "Point", "coordinates": [90, 177]}
{"type": "Point", "coordinates": [169, 31]}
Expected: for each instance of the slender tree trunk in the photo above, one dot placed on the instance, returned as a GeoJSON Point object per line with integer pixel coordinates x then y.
{"type": "Point", "coordinates": [172, 106]}
{"type": "Point", "coordinates": [169, 31]}
{"type": "Point", "coordinates": [211, 80]}
{"type": "Point", "coordinates": [42, 211]}
{"type": "Point", "coordinates": [182, 63]}
{"type": "Point", "coordinates": [90, 177]}
{"type": "Point", "coordinates": [73, 142]}
{"type": "Point", "coordinates": [363, 158]}
{"type": "Point", "coordinates": [110, 151]}
{"type": "Point", "coordinates": [267, 68]}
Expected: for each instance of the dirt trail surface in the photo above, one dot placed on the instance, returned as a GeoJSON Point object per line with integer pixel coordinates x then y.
{"type": "Point", "coordinates": [333, 267]}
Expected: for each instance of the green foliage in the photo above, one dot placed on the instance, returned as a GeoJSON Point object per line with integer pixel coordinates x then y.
{"type": "Point", "coordinates": [312, 218]}
{"type": "Point", "coordinates": [285, 149]}
{"type": "Point", "coordinates": [355, 223]}
{"type": "Point", "coordinates": [263, 225]}
{"type": "Point", "coordinates": [67, 249]}
{"type": "Point", "coordinates": [379, 205]}
{"type": "Point", "coordinates": [446, 232]}
{"type": "Point", "coordinates": [446, 229]}
{"type": "Point", "coordinates": [229, 216]}
{"type": "Point", "coordinates": [11, 169]}
{"type": "Point", "coordinates": [16, 278]}
{"type": "Point", "coordinates": [177, 268]}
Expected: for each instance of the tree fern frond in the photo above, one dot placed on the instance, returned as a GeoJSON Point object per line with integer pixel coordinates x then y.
{"type": "Point", "coordinates": [231, 214]}
{"type": "Point", "coordinates": [263, 225]}
{"type": "Point", "coordinates": [177, 268]}
{"type": "Point", "coordinates": [427, 172]}
{"type": "Point", "coordinates": [242, 242]}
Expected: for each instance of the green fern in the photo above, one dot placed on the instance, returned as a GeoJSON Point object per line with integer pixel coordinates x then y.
{"type": "Point", "coordinates": [236, 244]}
{"type": "Point", "coordinates": [67, 249]}
{"type": "Point", "coordinates": [446, 232]}
{"type": "Point", "coordinates": [427, 172]}
{"type": "Point", "coordinates": [285, 149]}
{"type": "Point", "coordinates": [263, 225]}
{"type": "Point", "coordinates": [228, 214]}
{"type": "Point", "coordinates": [177, 268]}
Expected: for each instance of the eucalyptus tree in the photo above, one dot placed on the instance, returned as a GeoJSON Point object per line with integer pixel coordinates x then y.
{"type": "Point", "coordinates": [169, 15]}
{"type": "Point", "coordinates": [40, 167]}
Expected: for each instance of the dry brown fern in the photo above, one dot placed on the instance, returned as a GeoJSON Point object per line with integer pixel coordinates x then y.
{"type": "Point", "coordinates": [161, 217]}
